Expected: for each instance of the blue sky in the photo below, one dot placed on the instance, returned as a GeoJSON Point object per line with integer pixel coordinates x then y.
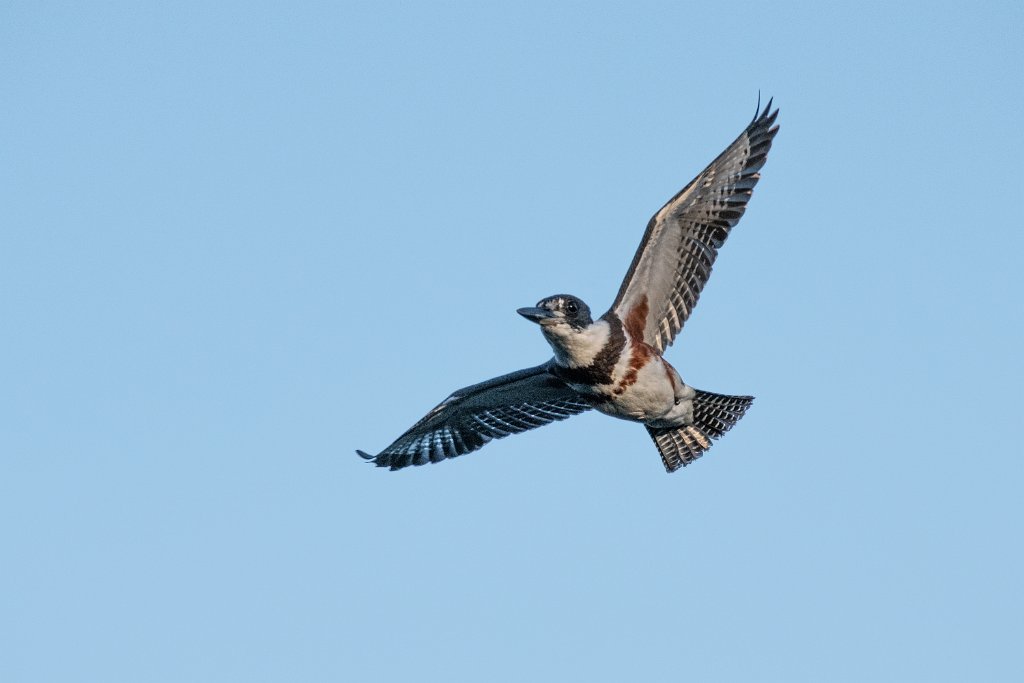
{"type": "Point", "coordinates": [240, 240]}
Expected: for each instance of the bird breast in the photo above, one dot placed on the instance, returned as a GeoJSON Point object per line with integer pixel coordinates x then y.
{"type": "Point", "coordinates": [611, 363]}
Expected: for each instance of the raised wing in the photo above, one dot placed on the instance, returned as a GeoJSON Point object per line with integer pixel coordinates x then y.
{"type": "Point", "coordinates": [682, 239]}
{"type": "Point", "coordinates": [471, 417]}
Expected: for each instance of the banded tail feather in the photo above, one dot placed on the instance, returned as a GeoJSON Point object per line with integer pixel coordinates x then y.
{"type": "Point", "coordinates": [713, 416]}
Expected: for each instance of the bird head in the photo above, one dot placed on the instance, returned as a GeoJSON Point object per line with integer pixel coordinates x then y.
{"type": "Point", "coordinates": [557, 310]}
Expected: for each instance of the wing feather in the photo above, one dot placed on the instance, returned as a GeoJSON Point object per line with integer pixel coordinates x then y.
{"type": "Point", "coordinates": [678, 250]}
{"type": "Point", "coordinates": [471, 417]}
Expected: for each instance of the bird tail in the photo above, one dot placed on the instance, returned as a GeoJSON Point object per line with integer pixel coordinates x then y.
{"type": "Point", "coordinates": [713, 416]}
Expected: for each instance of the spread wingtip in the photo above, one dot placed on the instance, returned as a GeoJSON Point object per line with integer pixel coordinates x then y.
{"type": "Point", "coordinates": [765, 113]}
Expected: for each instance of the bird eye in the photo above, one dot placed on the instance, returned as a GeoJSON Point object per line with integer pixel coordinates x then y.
{"type": "Point", "coordinates": [571, 307]}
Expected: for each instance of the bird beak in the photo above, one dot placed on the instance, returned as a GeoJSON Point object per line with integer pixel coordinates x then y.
{"type": "Point", "coordinates": [535, 314]}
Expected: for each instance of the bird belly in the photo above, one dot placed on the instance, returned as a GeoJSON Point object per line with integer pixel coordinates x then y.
{"type": "Point", "coordinates": [650, 395]}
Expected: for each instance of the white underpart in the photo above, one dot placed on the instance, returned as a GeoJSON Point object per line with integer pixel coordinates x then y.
{"type": "Point", "coordinates": [651, 398]}
{"type": "Point", "coordinates": [575, 348]}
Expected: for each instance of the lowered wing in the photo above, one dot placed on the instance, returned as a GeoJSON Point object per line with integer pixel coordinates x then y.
{"type": "Point", "coordinates": [471, 417]}
{"type": "Point", "coordinates": [682, 239]}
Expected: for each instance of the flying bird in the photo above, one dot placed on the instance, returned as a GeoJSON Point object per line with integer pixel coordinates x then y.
{"type": "Point", "coordinates": [614, 364]}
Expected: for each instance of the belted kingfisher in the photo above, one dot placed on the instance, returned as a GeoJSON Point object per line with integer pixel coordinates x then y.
{"type": "Point", "coordinates": [614, 364]}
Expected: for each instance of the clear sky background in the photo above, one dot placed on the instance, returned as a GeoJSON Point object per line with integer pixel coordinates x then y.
{"type": "Point", "coordinates": [240, 240]}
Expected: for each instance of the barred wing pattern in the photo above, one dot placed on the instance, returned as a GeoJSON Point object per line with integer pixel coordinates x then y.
{"type": "Point", "coordinates": [682, 239]}
{"type": "Point", "coordinates": [471, 417]}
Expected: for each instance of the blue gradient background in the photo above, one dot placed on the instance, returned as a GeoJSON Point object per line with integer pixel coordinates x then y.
{"type": "Point", "coordinates": [240, 240]}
